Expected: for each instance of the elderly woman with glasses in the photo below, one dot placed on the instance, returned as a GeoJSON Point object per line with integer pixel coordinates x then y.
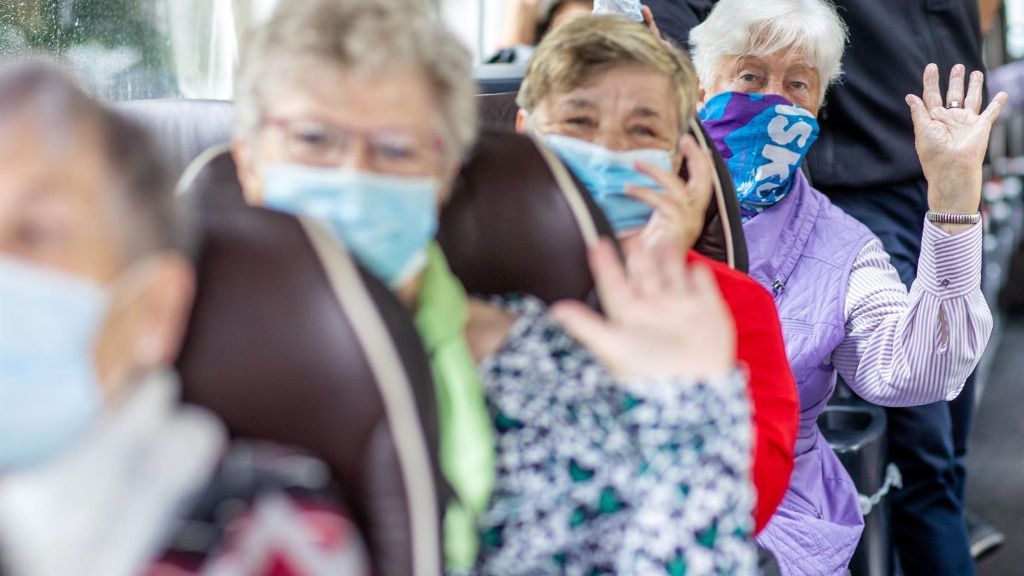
{"type": "Point", "coordinates": [764, 69]}
{"type": "Point", "coordinates": [629, 456]}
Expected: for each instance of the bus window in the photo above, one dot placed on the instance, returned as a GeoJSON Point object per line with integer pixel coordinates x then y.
{"type": "Point", "coordinates": [133, 49]}
{"type": "Point", "coordinates": [480, 23]}
{"type": "Point", "coordinates": [137, 49]}
{"type": "Point", "coordinates": [1015, 29]}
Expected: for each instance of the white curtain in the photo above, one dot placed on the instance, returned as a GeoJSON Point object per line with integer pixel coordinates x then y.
{"type": "Point", "coordinates": [478, 23]}
{"type": "Point", "coordinates": [204, 36]}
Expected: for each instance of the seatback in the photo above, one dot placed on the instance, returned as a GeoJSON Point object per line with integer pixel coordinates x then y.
{"type": "Point", "coordinates": [498, 110]}
{"type": "Point", "coordinates": [499, 78]}
{"type": "Point", "coordinates": [517, 222]}
{"type": "Point", "coordinates": [722, 238]}
{"type": "Point", "coordinates": [290, 341]}
{"type": "Point", "coordinates": [182, 128]}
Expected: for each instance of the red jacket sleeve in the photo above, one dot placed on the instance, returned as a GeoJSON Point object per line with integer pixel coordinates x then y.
{"type": "Point", "coordinates": [773, 390]}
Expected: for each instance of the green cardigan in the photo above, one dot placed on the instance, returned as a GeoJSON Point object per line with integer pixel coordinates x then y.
{"type": "Point", "coordinates": [467, 440]}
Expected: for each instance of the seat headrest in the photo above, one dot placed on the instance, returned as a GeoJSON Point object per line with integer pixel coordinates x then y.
{"type": "Point", "coordinates": [498, 110]}
{"type": "Point", "coordinates": [517, 222]}
{"type": "Point", "coordinates": [497, 78]}
{"type": "Point", "coordinates": [211, 181]}
{"type": "Point", "coordinates": [182, 128]}
{"type": "Point", "coordinates": [290, 342]}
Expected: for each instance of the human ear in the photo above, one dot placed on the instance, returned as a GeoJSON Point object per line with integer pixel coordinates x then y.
{"type": "Point", "coordinates": [149, 310]}
{"type": "Point", "coordinates": [448, 177]}
{"type": "Point", "coordinates": [522, 121]}
{"type": "Point", "coordinates": [249, 174]}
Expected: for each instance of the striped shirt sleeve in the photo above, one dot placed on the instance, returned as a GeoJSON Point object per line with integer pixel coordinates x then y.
{"type": "Point", "coordinates": [908, 349]}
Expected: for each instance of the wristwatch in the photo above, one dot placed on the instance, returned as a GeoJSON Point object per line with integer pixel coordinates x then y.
{"type": "Point", "coordinates": [946, 218]}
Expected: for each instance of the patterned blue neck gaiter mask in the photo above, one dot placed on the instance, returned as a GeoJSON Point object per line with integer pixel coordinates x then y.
{"type": "Point", "coordinates": [763, 140]}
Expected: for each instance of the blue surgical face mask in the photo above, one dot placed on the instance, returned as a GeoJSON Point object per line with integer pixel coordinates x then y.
{"type": "Point", "coordinates": [49, 390]}
{"type": "Point", "coordinates": [387, 222]}
{"type": "Point", "coordinates": [607, 173]}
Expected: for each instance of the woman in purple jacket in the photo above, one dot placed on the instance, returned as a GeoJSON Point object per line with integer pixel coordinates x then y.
{"type": "Point", "coordinates": [764, 69]}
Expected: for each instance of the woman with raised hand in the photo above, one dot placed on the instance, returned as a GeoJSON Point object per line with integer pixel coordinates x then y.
{"type": "Point", "coordinates": [765, 68]}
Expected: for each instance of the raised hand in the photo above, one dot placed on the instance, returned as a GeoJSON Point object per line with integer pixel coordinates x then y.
{"type": "Point", "coordinates": [952, 137]}
{"type": "Point", "coordinates": [679, 210]}
{"type": "Point", "coordinates": [650, 23]}
{"type": "Point", "coordinates": [653, 26]}
{"type": "Point", "coordinates": [663, 320]}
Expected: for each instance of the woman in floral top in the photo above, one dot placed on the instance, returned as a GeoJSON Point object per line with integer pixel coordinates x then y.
{"type": "Point", "coordinates": [628, 454]}
{"type": "Point", "coordinates": [621, 476]}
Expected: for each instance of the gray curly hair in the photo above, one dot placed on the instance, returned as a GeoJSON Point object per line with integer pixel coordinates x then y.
{"type": "Point", "coordinates": [364, 37]}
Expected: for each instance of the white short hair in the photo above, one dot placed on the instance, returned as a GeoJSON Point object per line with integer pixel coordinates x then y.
{"type": "Point", "coordinates": [761, 27]}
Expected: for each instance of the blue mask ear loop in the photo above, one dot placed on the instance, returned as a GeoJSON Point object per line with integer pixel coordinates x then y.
{"type": "Point", "coordinates": [573, 195]}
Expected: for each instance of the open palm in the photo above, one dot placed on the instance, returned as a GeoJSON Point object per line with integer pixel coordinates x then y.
{"type": "Point", "coordinates": [952, 137]}
{"type": "Point", "coordinates": [663, 319]}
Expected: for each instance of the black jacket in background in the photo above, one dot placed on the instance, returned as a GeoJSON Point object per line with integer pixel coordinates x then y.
{"type": "Point", "coordinates": [867, 138]}
{"type": "Point", "coordinates": [676, 17]}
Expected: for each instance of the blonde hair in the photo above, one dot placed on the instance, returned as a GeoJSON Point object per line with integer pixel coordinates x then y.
{"type": "Point", "coordinates": [743, 28]}
{"type": "Point", "coordinates": [366, 38]}
{"type": "Point", "coordinates": [573, 54]}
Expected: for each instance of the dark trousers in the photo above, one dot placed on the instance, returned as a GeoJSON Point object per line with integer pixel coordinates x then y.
{"type": "Point", "coordinates": [928, 443]}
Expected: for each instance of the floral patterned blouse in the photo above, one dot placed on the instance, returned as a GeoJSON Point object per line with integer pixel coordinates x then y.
{"type": "Point", "coordinates": [597, 476]}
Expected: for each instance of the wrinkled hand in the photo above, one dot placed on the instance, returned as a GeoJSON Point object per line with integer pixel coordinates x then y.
{"type": "Point", "coordinates": [664, 320]}
{"type": "Point", "coordinates": [951, 142]}
{"type": "Point", "coordinates": [678, 210]}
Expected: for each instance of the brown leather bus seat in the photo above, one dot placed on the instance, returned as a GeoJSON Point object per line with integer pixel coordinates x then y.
{"type": "Point", "coordinates": [517, 221]}
{"type": "Point", "coordinates": [290, 342]}
{"type": "Point", "coordinates": [721, 240]}
{"type": "Point", "coordinates": [498, 110]}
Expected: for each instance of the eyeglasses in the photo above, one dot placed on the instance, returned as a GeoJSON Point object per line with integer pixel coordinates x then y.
{"type": "Point", "coordinates": [390, 151]}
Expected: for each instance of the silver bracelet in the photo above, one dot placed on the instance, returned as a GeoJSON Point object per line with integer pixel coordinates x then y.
{"type": "Point", "coordinates": [946, 218]}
